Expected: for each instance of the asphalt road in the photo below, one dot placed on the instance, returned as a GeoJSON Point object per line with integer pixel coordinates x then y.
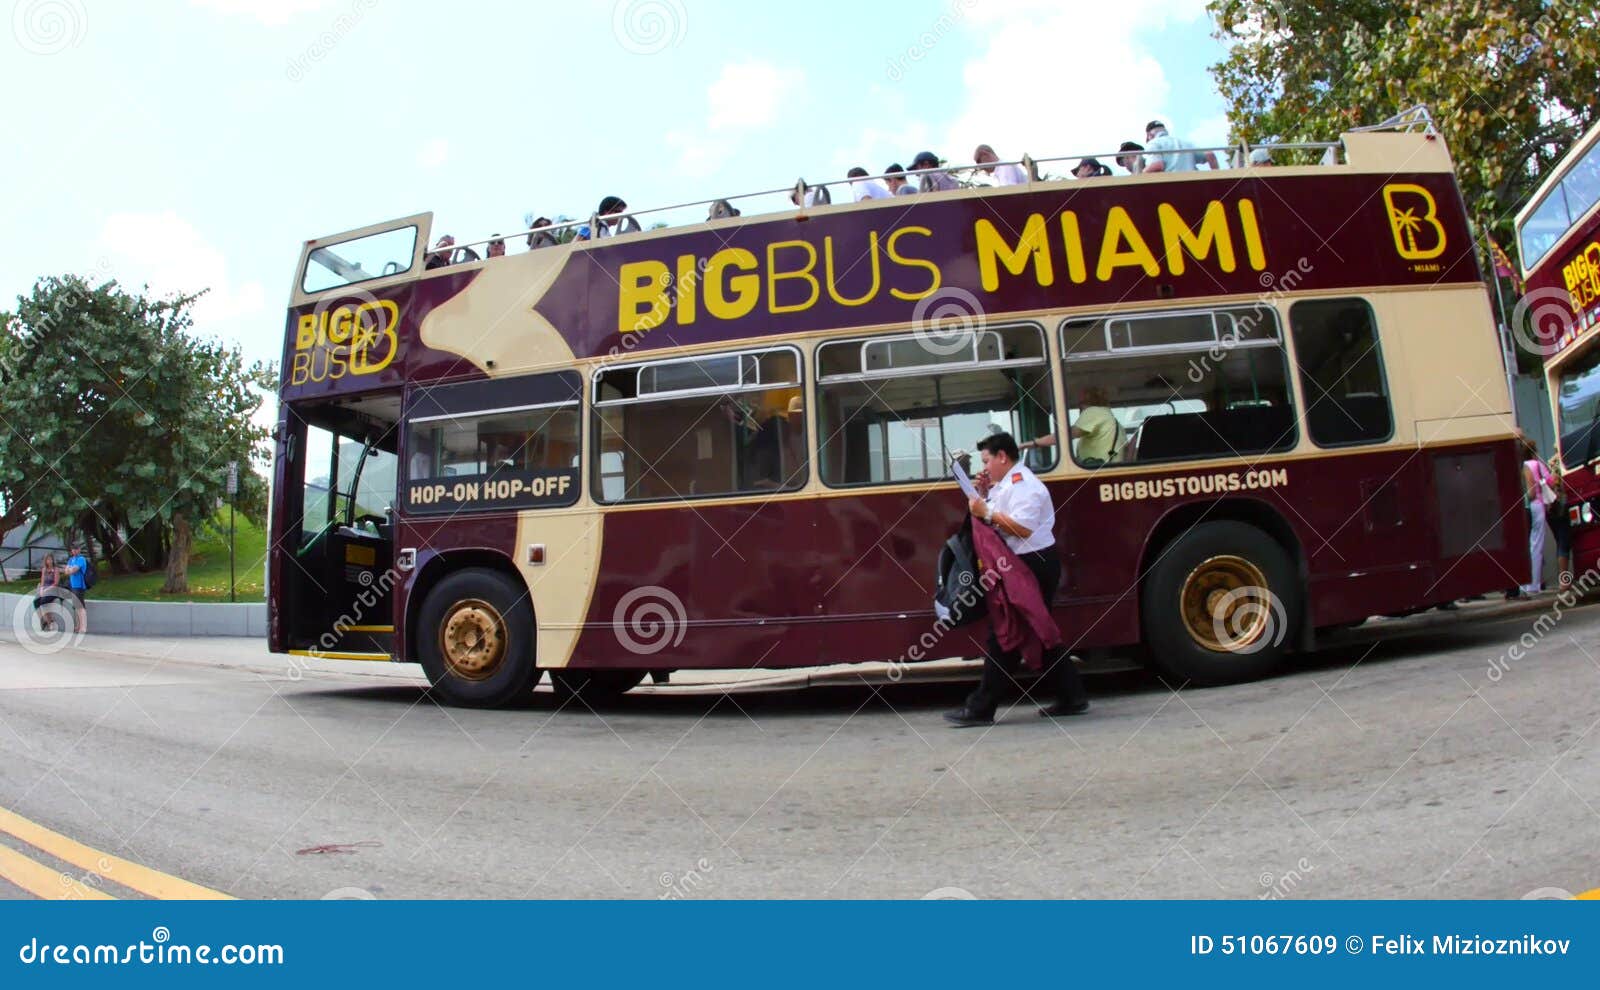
{"type": "Point", "coordinates": [1394, 765]}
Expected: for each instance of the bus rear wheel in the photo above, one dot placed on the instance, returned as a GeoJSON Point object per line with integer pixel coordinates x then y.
{"type": "Point", "coordinates": [1219, 603]}
{"type": "Point", "coordinates": [475, 639]}
{"type": "Point", "coordinates": [599, 688]}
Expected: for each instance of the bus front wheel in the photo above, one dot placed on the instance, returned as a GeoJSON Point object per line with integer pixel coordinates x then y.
{"type": "Point", "coordinates": [1219, 605]}
{"type": "Point", "coordinates": [475, 639]}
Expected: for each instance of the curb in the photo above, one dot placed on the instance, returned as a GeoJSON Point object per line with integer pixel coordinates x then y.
{"type": "Point", "coordinates": [115, 618]}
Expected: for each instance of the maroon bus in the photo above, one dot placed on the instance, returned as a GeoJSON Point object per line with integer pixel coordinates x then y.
{"type": "Point", "coordinates": [1558, 241]}
{"type": "Point", "coordinates": [728, 444]}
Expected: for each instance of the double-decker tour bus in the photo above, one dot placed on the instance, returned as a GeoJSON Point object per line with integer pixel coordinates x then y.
{"type": "Point", "coordinates": [1558, 242]}
{"type": "Point", "coordinates": [727, 443]}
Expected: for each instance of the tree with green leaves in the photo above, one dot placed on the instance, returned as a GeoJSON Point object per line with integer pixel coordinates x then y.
{"type": "Point", "coordinates": [113, 415]}
{"type": "Point", "coordinates": [1510, 83]}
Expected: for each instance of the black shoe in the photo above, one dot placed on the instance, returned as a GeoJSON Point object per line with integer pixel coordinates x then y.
{"type": "Point", "coordinates": [966, 718]}
{"type": "Point", "coordinates": [1447, 607]}
{"type": "Point", "coordinates": [1062, 710]}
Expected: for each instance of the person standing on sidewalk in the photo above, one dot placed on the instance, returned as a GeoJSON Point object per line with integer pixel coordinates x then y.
{"type": "Point", "coordinates": [1018, 506]}
{"type": "Point", "coordinates": [78, 583]}
{"type": "Point", "coordinates": [1541, 494]}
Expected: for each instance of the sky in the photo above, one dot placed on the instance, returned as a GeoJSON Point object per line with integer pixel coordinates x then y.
{"type": "Point", "coordinates": [195, 144]}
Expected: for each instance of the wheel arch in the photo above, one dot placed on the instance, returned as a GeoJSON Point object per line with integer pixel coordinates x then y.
{"type": "Point", "coordinates": [1250, 511]}
{"type": "Point", "coordinates": [444, 563]}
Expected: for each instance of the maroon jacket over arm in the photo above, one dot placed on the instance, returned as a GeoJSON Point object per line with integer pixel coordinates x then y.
{"type": "Point", "coordinates": [1017, 610]}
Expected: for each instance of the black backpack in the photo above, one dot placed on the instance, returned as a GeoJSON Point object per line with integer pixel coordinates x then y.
{"type": "Point", "coordinates": [959, 598]}
{"type": "Point", "coordinates": [89, 574]}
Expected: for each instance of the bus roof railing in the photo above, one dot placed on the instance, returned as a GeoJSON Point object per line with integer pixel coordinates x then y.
{"type": "Point", "coordinates": [1413, 119]}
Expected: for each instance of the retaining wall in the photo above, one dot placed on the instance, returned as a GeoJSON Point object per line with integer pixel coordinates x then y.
{"type": "Point", "coordinates": [159, 618]}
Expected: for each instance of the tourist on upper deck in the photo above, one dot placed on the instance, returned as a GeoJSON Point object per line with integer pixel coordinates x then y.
{"type": "Point", "coordinates": [1260, 157]}
{"type": "Point", "coordinates": [440, 255]}
{"type": "Point", "coordinates": [1004, 175]}
{"type": "Point", "coordinates": [814, 195]}
{"type": "Point", "coordinates": [722, 210]}
{"type": "Point", "coordinates": [865, 188]}
{"type": "Point", "coordinates": [1134, 163]}
{"type": "Point", "coordinates": [612, 219]}
{"type": "Point", "coordinates": [1090, 168]}
{"type": "Point", "coordinates": [895, 178]}
{"type": "Point", "coordinates": [538, 237]}
{"type": "Point", "coordinates": [1173, 154]}
{"type": "Point", "coordinates": [933, 178]}
{"type": "Point", "coordinates": [497, 247]}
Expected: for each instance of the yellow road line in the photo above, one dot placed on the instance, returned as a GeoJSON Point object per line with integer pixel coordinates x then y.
{"type": "Point", "coordinates": [151, 883]}
{"type": "Point", "coordinates": [41, 881]}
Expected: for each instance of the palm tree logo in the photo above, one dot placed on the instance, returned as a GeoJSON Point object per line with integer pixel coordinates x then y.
{"type": "Point", "coordinates": [1412, 209]}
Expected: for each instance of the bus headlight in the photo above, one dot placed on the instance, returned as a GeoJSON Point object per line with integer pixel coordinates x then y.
{"type": "Point", "coordinates": [1588, 513]}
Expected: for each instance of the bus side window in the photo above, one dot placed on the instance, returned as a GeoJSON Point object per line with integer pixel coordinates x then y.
{"type": "Point", "coordinates": [1177, 385]}
{"type": "Point", "coordinates": [1341, 372]}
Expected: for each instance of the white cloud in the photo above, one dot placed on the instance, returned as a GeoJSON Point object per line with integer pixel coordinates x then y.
{"type": "Point", "coordinates": [166, 252]}
{"type": "Point", "coordinates": [269, 12]}
{"type": "Point", "coordinates": [433, 154]}
{"type": "Point", "coordinates": [749, 95]}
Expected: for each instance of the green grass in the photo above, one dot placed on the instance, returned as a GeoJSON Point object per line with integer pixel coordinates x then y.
{"type": "Point", "coordinates": [208, 570]}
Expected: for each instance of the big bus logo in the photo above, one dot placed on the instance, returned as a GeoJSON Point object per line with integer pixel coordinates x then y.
{"type": "Point", "coordinates": [1414, 221]}
{"type": "Point", "coordinates": [351, 338]}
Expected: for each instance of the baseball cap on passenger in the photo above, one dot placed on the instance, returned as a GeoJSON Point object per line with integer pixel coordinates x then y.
{"type": "Point", "coordinates": [925, 159]}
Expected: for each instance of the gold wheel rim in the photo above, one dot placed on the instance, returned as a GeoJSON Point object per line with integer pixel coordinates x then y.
{"type": "Point", "coordinates": [1225, 604]}
{"type": "Point", "coordinates": [472, 639]}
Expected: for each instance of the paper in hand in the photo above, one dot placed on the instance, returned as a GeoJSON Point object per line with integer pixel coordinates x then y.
{"type": "Point", "coordinates": [964, 481]}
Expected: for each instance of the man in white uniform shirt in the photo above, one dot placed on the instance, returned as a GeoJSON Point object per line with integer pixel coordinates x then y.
{"type": "Point", "coordinates": [1019, 507]}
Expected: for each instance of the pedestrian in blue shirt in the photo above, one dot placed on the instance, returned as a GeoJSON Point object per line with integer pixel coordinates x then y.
{"type": "Point", "coordinates": [78, 583]}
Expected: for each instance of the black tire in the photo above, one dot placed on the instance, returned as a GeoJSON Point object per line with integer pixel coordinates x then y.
{"type": "Point", "coordinates": [1230, 631]}
{"type": "Point", "coordinates": [593, 688]}
{"type": "Point", "coordinates": [478, 600]}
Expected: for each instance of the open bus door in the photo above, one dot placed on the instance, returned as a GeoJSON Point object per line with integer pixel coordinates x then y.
{"type": "Point", "coordinates": [333, 529]}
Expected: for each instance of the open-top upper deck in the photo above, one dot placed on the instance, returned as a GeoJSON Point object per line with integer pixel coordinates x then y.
{"type": "Point", "coordinates": [1382, 210]}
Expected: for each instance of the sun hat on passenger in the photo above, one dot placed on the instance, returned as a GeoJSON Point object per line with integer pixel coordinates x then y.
{"type": "Point", "coordinates": [926, 159]}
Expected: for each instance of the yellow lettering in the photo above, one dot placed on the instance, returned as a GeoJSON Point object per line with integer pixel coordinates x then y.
{"type": "Point", "coordinates": [992, 247]}
{"type": "Point", "coordinates": [1212, 232]}
{"type": "Point", "coordinates": [1404, 200]}
{"type": "Point", "coordinates": [1074, 241]}
{"type": "Point", "coordinates": [746, 288]}
{"type": "Point", "coordinates": [340, 324]}
{"type": "Point", "coordinates": [306, 333]}
{"type": "Point", "coordinates": [1252, 235]}
{"type": "Point", "coordinates": [833, 285]}
{"type": "Point", "coordinates": [934, 277]}
{"type": "Point", "coordinates": [774, 276]}
{"type": "Point", "coordinates": [375, 319]}
{"type": "Point", "coordinates": [688, 287]}
{"type": "Point", "coordinates": [641, 296]}
{"type": "Point", "coordinates": [1119, 231]}
{"type": "Point", "coordinates": [299, 367]}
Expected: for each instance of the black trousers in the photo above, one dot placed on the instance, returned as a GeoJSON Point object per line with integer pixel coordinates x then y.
{"type": "Point", "coordinates": [1000, 666]}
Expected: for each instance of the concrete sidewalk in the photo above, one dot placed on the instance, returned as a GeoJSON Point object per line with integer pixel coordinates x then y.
{"type": "Point", "coordinates": [252, 655]}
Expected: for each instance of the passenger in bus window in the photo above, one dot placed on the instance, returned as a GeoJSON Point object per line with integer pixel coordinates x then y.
{"type": "Point", "coordinates": [497, 247]}
{"type": "Point", "coordinates": [722, 210]}
{"type": "Point", "coordinates": [895, 179]}
{"type": "Point", "coordinates": [1171, 153]}
{"type": "Point", "coordinates": [612, 218]}
{"type": "Point", "coordinates": [865, 188]}
{"type": "Point", "coordinates": [1098, 434]}
{"type": "Point", "coordinates": [932, 177]}
{"type": "Point", "coordinates": [1004, 175]}
{"type": "Point", "coordinates": [1129, 160]}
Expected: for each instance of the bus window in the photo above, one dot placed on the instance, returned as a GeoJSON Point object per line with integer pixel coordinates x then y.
{"type": "Point", "coordinates": [891, 409]}
{"type": "Point", "coordinates": [713, 425]}
{"type": "Point", "coordinates": [318, 467]}
{"type": "Point", "coordinates": [494, 459]}
{"type": "Point", "coordinates": [359, 259]}
{"type": "Point", "coordinates": [1176, 385]}
{"type": "Point", "coordinates": [1341, 372]}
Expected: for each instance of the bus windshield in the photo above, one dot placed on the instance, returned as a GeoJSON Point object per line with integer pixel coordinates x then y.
{"type": "Point", "coordinates": [1579, 402]}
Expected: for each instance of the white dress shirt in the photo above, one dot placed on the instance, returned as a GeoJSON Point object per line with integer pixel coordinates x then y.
{"type": "Point", "coordinates": [1010, 175]}
{"type": "Point", "coordinates": [1023, 497]}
